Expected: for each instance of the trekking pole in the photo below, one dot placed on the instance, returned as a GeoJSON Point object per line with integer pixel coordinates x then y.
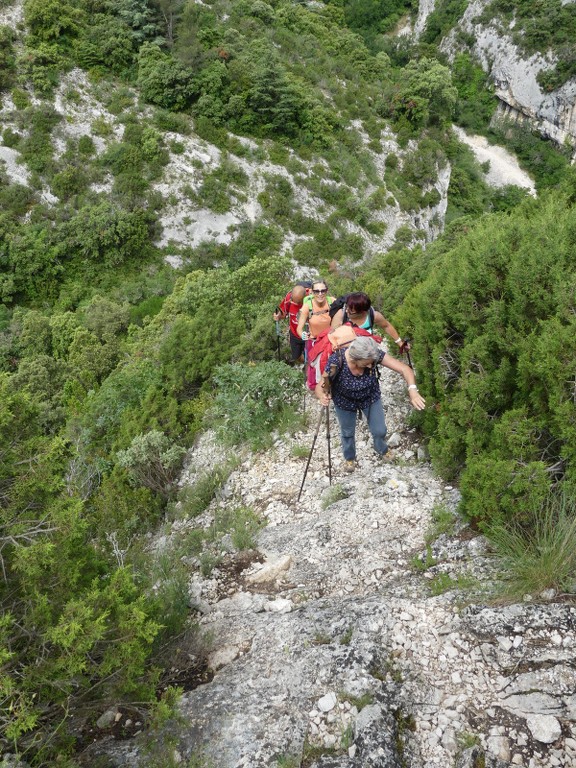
{"type": "Point", "coordinates": [328, 441]}
{"type": "Point", "coordinates": [312, 449]}
{"type": "Point", "coordinates": [407, 340]}
{"type": "Point", "coordinates": [278, 334]}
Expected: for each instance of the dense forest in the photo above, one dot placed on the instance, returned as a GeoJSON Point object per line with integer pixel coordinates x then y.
{"type": "Point", "coordinates": [113, 360]}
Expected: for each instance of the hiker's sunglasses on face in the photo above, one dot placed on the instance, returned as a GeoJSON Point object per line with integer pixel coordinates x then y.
{"type": "Point", "coordinates": [319, 290]}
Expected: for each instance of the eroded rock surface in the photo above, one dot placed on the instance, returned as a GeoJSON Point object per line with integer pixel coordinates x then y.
{"type": "Point", "coordinates": [346, 642]}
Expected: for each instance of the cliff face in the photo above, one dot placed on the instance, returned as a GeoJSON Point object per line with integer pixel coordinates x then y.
{"type": "Point", "coordinates": [513, 74]}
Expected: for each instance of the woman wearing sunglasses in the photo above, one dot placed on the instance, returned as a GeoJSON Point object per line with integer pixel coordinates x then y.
{"type": "Point", "coordinates": [315, 315]}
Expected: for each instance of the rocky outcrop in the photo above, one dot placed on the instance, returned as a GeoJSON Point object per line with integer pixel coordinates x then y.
{"type": "Point", "coordinates": [514, 75]}
{"type": "Point", "coordinates": [350, 641]}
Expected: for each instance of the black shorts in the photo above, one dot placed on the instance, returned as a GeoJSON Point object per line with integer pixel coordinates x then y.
{"type": "Point", "coordinates": [296, 346]}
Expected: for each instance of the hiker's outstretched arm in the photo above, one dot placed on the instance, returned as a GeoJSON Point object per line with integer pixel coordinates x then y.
{"type": "Point", "coordinates": [302, 320]}
{"type": "Point", "coordinates": [337, 319]}
{"type": "Point", "coordinates": [388, 328]}
{"type": "Point", "coordinates": [407, 373]}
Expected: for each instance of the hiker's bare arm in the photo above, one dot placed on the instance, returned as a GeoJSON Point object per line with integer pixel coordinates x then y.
{"type": "Point", "coordinates": [386, 326]}
{"type": "Point", "coordinates": [337, 319]}
{"type": "Point", "coordinates": [322, 391]}
{"type": "Point", "coordinates": [303, 318]}
{"type": "Point", "coordinates": [407, 373]}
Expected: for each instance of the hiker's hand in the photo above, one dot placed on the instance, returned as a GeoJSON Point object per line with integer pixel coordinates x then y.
{"type": "Point", "coordinates": [404, 346]}
{"type": "Point", "coordinates": [416, 400]}
{"type": "Point", "coordinates": [305, 336]}
{"type": "Point", "coordinates": [277, 316]}
{"type": "Point", "coordinates": [325, 398]}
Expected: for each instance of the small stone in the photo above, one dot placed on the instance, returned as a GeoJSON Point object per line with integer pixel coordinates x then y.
{"type": "Point", "coordinates": [327, 702]}
{"type": "Point", "coordinates": [544, 728]}
{"type": "Point", "coordinates": [499, 746]}
{"type": "Point", "coordinates": [105, 720]}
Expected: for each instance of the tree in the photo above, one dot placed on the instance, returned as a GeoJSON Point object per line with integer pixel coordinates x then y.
{"type": "Point", "coordinates": [426, 94]}
{"type": "Point", "coordinates": [164, 81]}
{"type": "Point", "coordinates": [53, 21]}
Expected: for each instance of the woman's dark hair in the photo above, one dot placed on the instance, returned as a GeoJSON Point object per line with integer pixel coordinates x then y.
{"type": "Point", "coordinates": [358, 302]}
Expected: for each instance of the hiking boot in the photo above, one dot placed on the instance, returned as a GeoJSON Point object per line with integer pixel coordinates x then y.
{"type": "Point", "coordinates": [386, 458]}
{"type": "Point", "coordinates": [349, 466]}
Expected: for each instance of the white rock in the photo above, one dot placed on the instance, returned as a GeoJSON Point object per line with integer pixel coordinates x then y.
{"type": "Point", "coordinates": [327, 702]}
{"type": "Point", "coordinates": [500, 747]}
{"type": "Point", "coordinates": [544, 728]}
{"type": "Point", "coordinates": [280, 605]}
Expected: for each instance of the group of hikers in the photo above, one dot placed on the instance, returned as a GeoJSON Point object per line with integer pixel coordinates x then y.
{"type": "Point", "coordinates": [335, 339]}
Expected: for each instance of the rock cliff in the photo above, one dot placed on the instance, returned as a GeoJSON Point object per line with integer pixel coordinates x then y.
{"type": "Point", "coordinates": [513, 74]}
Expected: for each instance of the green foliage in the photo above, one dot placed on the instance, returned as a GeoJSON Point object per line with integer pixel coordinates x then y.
{"type": "Point", "coordinates": [374, 17]}
{"type": "Point", "coordinates": [444, 16]}
{"type": "Point", "coordinates": [52, 21]}
{"type": "Point", "coordinates": [443, 522]}
{"type": "Point", "coordinates": [7, 58]}
{"type": "Point", "coordinates": [153, 461]}
{"type": "Point", "coordinates": [220, 185]}
{"type": "Point", "coordinates": [265, 390]}
{"type": "Point", "coordinates": [443, 582]}
{"type": "Point", "coordinates": [195, 499]}
{"type": "Point", "coordinates": [109, 41]}
{"type": "Point", "coordinates": [241, 523]}
{"type": "Point", "coordinates": [495, 337]}
{"type": "Point", "coordinates": [426, 95]}
{"type": "Point", "coordinates": [277, 199]}
{"type": "Point", "coordinates": [540, 157]}
{"type": "Point", "coordinates": [546, 26]}
{"type": "Point", "coordinates": [476, 103]}
{"type": "Point", "coordinates": [36, 147]}
{"type": "Point", "coordinates": [162, 80]}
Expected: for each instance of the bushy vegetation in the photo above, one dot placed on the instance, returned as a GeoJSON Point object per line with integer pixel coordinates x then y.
{"type": "Point", "coordinates": [495, 327]}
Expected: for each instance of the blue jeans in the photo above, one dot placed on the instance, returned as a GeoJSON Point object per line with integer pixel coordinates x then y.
{"type": "Point", "coordinates": [374, 415]}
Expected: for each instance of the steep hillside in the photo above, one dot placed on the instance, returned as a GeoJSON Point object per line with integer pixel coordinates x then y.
{"type": "Point", "coordinates": [170, 168]}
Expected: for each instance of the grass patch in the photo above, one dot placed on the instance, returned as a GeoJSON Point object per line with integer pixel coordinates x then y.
{"type": "Point", "coordinates": [443, 522]}
{"type": "Point", "coordinates": [194, 499]}
{"type": "Point", "coordinates": [358, 701]}
{"type": "Point", "coordinates": [541, 554]}
{"type": "Point", "coordinates": [288, 761]}
{"type": "Point", "coordinates": [347, 636]}
{"type": "Point", "coordinates": [443, 582]}
{"type": "Point", "coordinates": [333, 494]}
{"type": "Point", "coordinates": [423, 563]}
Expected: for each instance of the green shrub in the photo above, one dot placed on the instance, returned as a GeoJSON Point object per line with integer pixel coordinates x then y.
{"type": "Point", "coordinates": [265, 390]}
{"type": "Point", "coordinates": [495, 338]}
{"type": "Point", "coordinates": [152, 461]}
{"type": "Point", "coordinates": [194, 499]}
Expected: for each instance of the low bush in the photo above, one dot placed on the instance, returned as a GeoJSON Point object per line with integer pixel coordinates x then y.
{"type": "Point", "coordinates": [265, 390]}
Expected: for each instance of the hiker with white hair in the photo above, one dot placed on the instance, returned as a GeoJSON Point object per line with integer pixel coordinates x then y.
{"type": "Point", "coordinates": [351, 382]}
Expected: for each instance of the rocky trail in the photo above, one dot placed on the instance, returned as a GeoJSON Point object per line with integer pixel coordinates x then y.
{"type": "Point", "coordinates": [347, 641]}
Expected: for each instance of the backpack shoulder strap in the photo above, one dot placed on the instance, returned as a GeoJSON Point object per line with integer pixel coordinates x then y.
{"type": "Point", "coordinates": [336, 368]}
